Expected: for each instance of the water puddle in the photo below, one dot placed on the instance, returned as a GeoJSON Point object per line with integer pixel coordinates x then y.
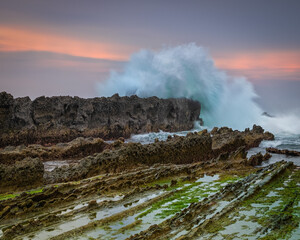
{"type": "Point", "coordinates": [240, 229]}
{"type": "Point", "coordinates": [295, 234]}
{"type": "Point", "coordinates": [84, 218]}
{"type": "Point", "coordinates": [85, 204]}
{"type": "Point", "coordinates": [160, 211]}
{"type": "Point", "coordinates": [51, 165]}
{"type": "Point", "coordinates": [248, 220]}
{"type": "Point", "coordinates": [280, 143]}
{"type": "Point", "coordinates": [208, 179]}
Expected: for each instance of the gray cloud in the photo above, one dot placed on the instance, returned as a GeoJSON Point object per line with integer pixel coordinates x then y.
{"type": "Point", "coordinates": [222, 26]}
{"type": "Point", "coordinates": [279, 96]}
{"type": "Point", "coordinates": [43, 73]}
{"type": "Point", "coordinates": [218, 24]}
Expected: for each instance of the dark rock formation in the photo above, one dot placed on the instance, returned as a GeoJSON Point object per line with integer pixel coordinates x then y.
{"type": "Point", "coordinates": [119, 157]}
{"type": "Point", "coordinates": [283, 151]}
{"type": "Point", "coordinates": [76, 149]}
{"type": "Point", "coordinates": [28, 172]}
{"type": "Point", "coordinates": [195, 147]}
{"type": "Point", "coordinates": [61, 119]}
{"type": "Point", "coordinates": [177, 150]}
{"type": "Point", "coordinates": [257, 159]}
{"type": "Point", "coordinates": [201, 215]}
{"type": "Point", "coordinates": [50, 197]}
{"type": "Point", "coordinates": [225, 140]}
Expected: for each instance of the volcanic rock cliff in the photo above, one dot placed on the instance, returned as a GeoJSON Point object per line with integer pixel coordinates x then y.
{"type": "Point", "coordinates": [60, 119]}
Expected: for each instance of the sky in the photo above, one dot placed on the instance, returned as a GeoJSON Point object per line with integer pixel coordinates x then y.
{"type": "Point", "coordinates": [64, 47]}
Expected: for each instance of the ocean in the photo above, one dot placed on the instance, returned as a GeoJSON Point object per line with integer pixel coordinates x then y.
{"type": "Point", "coordinates": [189, 71]}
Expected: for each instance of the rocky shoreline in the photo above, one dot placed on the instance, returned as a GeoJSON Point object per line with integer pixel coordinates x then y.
{"type": "Point", "coordinates": [48, 120]}
{"type": "Point", "coordinates": [113, 182]}
{"type": "Point", "coordinates": [283, 151]}
{"type": "Point", "coordinates": [100, 157]}
{"type": "Point", "coordinates": [202, 185]}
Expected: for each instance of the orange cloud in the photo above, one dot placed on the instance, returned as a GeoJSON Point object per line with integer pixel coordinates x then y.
{"type": "Point", "coordinates": [263, 65]}
{"type": "Point", "coordinates": [16, 39]}
{"type": "Point", "coordinates": [254, 65]}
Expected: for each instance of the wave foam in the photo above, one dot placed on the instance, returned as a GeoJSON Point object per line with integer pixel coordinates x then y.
{"type": "Point", "coordinates": [188, 71]}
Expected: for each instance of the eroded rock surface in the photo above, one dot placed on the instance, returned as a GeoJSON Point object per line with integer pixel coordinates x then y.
{"type": "Point", "coordinates": [225, 140]}
{"type": "Point", "coordinates": [60, 119]}
{"type": "Point", "coordinates": [23, 174]}
{"type": "Point", "coordinates": [189, 187]}
{"type": "Point", "coordinates": [283, 151]}
{"type": "Point", "coordinates": [76, 149]}
{"type": "Point", "coordinates": [203, 219]}
{"type": "Point", "coordinates": [177, 150]}
{"type": "Point", "coordinates": [195, 147]}
{"type": "Point", "coordinates": [100, 157]}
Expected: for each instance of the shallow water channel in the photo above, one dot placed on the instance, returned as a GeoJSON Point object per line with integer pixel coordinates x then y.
{"type": "Point", "coordinates": [183, 195]}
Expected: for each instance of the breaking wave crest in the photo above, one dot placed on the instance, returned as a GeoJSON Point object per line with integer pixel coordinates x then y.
{"type": "Point", "coordinates": [188, 71]}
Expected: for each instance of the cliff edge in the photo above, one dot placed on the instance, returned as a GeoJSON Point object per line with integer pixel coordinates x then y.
{"type": "Point", "coordinates": [59, 119]}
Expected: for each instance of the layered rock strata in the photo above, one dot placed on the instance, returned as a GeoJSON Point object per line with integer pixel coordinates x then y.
{"type": "Point", "coordinates": [76, 149]}
{"type": "Point", "coordinates": [195, 221]}
{"type": "Point", "coordinates": [100, 157]}
{"type": "Point", "coordinates": [195, 147]}
{"type": "Point", "coordinates": [283, 151]}
{"type": "Point", "coordinates": [183, 188]}
{"type": "Point", "coordinates": [21, 175]}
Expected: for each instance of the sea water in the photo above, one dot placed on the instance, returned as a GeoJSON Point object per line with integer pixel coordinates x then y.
{"type": "Point", "coordinates": [189, 71]}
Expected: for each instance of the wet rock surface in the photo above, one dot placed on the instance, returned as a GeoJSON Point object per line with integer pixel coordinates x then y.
{"type": "Point", "coordinates": [226, 140]}
{"type": "Point", "coordinates": [178, 150]}
{"type": "Point", "coordinates": [257, 159]}
{"type": "Point", "coordinates": [60, 119]}
{"type": "Point", "coordinates": [23, 174]}
{"type": "Point", "coordinates": [201, 220]}
{"type": "Point", "coordinates": [116, 157]}
{"type": "Point", "coordinates": [75, 149]}
{"type": "Point", "coordinates": [283, 151]}
{"type": "Point", "coordinates": [195, 147]}
{"type": "Point", "coordinates": [193, 187]}
{"type": "Point", "coordinates": [86, 210]}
